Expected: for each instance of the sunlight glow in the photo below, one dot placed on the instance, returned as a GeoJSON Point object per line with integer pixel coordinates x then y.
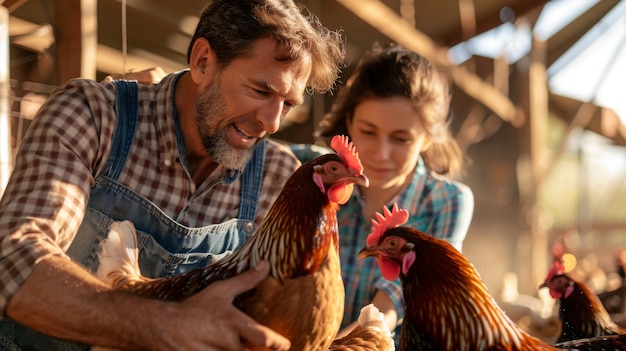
{"type": "Point", "coordinates": [592, 70]}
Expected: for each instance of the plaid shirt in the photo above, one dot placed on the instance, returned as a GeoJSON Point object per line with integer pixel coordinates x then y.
{"type": "Point", "coordinates": [67, 145]}
{"type": "Point", "coordinates": [439, 207]}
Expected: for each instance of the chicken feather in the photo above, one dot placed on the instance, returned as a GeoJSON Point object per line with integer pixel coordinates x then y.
{"type": "Point", "coordinates": [370, 334]}
{"type": "Point", "coordinates": [303, 296]}
{"type": "Point", "coordinates": [581, 312]}
{"type": "Point", "coordinates": [447, 306]}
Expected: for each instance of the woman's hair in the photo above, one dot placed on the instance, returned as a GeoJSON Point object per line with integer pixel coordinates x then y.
{"type": "Point", "coordinates": [232, 26]}
{"type": "Point", "coordinates": [393, 71]}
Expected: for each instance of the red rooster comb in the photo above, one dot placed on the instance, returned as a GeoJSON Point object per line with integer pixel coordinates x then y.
{"type": "Point", "coordinates": [347, 151]}
{"type": "Point", "coordinates": [557, 268]}
{"type": "Point", "coordinates": [388, 220]}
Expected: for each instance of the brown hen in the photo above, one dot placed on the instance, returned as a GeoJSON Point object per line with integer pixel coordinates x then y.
{"type": "Point", "coordinates": [581, 313]}
{"type": "Point", "coordinates": [447, 306]}
{"type": "Point", "coordinates": [303, 297]}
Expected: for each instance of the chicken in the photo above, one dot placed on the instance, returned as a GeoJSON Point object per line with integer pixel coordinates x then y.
{"type": "Point", "coordinates": [371, 334]}
{"type": "Point", "coordinates": [303, 297]}
{"type": "Point", "coordinates": [580, 311]}
{"type": "Point", "coordinates": [534, 314]}
{"type": "Point", "coordinates": [600, 343]}
{"type": "Point", "coordinates": [615, 300]}
{"type": "Point", "coordinates": [448, 306]}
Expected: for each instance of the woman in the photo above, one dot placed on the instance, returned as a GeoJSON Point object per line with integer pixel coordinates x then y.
{"type": "Point", "coordinates": [394, 108]}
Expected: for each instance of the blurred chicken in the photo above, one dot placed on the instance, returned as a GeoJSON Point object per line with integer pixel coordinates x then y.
{"type": "Point", "coordinates": [581, 312]}
{"type": "Point", "coordinates": [614, 300]}
{"type": "Point", "coordinates": [303, 297]}
{"type": "Point", "coordinates": [448, 306]}
{"type": "Point", "coordinates": [534, 314]}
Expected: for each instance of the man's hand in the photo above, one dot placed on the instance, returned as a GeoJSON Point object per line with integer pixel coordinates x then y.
{"type": "Point", "coordinates": [60, 298]}
{"type": "Point", "coordinates": [148, 75]}
{"type": "Point", "coordinates": [210, 321]}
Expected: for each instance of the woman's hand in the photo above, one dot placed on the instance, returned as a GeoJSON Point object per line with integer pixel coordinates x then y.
{"type": "Point", "coordinates": [209, 320]}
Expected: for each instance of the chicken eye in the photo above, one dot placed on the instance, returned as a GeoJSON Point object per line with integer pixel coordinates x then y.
{"type": "Point", "coordinates": [332, 167]}
{"type": "Point", "coordinates": [393, 243]}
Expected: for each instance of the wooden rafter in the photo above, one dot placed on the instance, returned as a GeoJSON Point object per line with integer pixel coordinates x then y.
{"type": "Point", "coordinates": [381, 17]}
{"type": "Point", "coordinates": [76, 38]}
{"type": "Point", "coordinates": [12, 5]}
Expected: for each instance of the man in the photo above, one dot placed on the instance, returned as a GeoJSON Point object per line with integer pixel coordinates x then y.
{"type": "Point", "coordinates": [184, 159]}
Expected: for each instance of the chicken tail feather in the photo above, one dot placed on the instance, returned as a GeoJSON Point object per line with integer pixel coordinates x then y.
{"type": "Point", "coordinates": [371, 317]}
{"type": "Point", "coordinates": [371, 334]}
{"type": "Point", "coordinates": [119, 264]}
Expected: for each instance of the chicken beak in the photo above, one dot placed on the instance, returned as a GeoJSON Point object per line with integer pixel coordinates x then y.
{"type": "Point", "coordinates": [366, 252]}
{"type": "Point", "coordinates": [360, 179]}
{"type": "Point", "coordinates": [542, 285]}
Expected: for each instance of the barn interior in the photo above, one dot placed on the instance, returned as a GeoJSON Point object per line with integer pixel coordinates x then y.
{"type": "Point", "coordinates": [546, 164]}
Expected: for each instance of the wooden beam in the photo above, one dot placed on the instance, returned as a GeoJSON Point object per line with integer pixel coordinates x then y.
{"type": "Point", "coordinates": [567, 109]}
{"type": "Point", "coordinates": [489, 17]}
{"type": "Point", "coordinates": [38, 38]}
{"type": "Point", "coordinates": [467, 12]}
{"type": "Point", "coordinates": [538, 108]}
{"type": "Point", "coordinates": [6, 156]}
{"type": "Point", "coordinates": [12, 5]}
{"type": "Point", "coordinates": [381, 17]}
{"type": "Point", "coordinates": [565, 38]}
{"type": "Point", "coordinates": [538, 121]}
{"type": "Point", "coordinates": [76, 34]}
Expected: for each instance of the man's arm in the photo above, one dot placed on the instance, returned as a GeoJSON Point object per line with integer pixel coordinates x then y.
{"type": "Point", "coordinates": [62, 299]}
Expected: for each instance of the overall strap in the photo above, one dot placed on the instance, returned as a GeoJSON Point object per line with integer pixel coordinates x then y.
{"type": "Point", "coordinates": [251, 180]}
{"type": "Point", "coordinates": [126, 101]}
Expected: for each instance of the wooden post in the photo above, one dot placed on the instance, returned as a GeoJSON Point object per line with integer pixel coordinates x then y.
{"type": "Point", "coordinates": [381, 17]}
{"type": "Point", "coordinates": [76, 34]}
{"type": "Point", "coordinates": [538, 118]}
{"type": "Point", "coordinates": [6, 154]}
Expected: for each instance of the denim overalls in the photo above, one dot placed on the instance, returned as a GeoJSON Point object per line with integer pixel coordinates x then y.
{"type": "Point", "coordinates": [165, 246]}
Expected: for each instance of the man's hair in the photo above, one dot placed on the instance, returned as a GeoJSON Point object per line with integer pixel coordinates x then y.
{"type": "Point", "coordinates": [232, 26]}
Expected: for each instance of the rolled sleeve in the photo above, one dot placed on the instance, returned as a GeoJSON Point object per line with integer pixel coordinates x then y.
{"type": "Point", "coordinates": [44, 202]}
{"type": "Point", "coordinates": [393, 289]}
{"type": "Point", "coordinates": [454, 214]}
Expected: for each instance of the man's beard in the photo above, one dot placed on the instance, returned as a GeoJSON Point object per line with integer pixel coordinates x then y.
{"type": "Point", "coordinates": [210, 106]}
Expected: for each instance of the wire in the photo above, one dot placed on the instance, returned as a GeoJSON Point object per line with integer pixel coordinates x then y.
{"type": "Point", "coordinates": [124, 37]}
